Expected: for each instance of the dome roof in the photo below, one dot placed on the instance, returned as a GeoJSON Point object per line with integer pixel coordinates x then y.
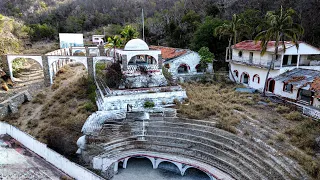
{"type": "Point", "coordinates": [136, 45]}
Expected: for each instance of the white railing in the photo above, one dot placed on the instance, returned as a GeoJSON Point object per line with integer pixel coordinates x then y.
{"type": "Point", "coordinates": [151, 67]}
{"type": "Point", "coordinates": [72, 169]}
{"type": "Point", "coordinates": [258, 62]}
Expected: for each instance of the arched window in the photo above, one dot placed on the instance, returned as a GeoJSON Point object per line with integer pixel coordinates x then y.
{"type": "Point", "coordinates": [167, 66]}
{"type": "Point", "coordinates": [183, 68]}
{"type": "Point", "coordinates": [236, 73]}
{"type": "Point", "coordinates": [199, 69]}
{"type": "Point", "coordinates": [256, 78]}
{"type": "Point", "coordinates": [245, 78]}
{"type": "Point", "coordinates": [287, 87]}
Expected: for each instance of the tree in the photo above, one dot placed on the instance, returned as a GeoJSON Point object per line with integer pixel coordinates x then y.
{"type": "Point", "coordinates": [205, 57]}
{"type": "Point", "coordinates": [114, 42]}
{"type": "Point", "coordinates": [129, 33]}
{"type": "Point", "coordinates": [232, 29]}
{"type": "Point", "coordinates": [280, 27]}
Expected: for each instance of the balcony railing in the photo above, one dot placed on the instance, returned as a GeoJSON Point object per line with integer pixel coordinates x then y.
{"type": "Point", "coordinates": [257, 62]}
{"type": "Point", "coordinates": [132, 69]}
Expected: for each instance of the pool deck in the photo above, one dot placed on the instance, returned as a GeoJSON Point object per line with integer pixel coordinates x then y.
{"type": "Point", "coordinates": [18, 162]}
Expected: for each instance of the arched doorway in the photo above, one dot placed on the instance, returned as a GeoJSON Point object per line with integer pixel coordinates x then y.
{"type": "Point", "coordinates": [169, 166]}
{"type": "Point", "coordinates": [271, 85]}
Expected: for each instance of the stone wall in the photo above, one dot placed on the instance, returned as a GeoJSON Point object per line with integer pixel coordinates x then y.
{"type": "Point", "coordinates": [10, 106]}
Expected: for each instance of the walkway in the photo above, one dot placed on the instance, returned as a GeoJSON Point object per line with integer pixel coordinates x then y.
{"type": "Point", "coordinates": [17, 162]}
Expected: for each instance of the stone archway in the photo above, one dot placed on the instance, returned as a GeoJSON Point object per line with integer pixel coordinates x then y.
{"type": "Point", "coordinates": [52, 59]}
{"type": "Point", "coordinates": [11, 58]}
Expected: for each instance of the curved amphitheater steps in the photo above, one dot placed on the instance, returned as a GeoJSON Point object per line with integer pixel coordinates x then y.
{"type": "Point", "coordinates": [200, 141]}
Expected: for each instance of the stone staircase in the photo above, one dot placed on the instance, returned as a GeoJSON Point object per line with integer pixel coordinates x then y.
{"type": "Point", "coordinates": [197, 140]}
{"type": "Point", "coordinates": [28, 77]}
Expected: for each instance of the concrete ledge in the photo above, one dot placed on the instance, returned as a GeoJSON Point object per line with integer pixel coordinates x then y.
{"type": "Point", "coordinates": [11, 105]}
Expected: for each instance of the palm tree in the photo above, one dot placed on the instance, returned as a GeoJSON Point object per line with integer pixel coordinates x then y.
{"type": "Point", "coordinates": [114, 42]}
{"type": "Point", "coordinates": [232, 29]}
{"type": "Point", "coordinates": [280, 27]}
{"type": "Point", "coordinates": [129, 33]}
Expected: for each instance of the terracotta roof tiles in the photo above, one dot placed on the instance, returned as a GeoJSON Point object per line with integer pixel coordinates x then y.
{"type": "Point", "coordinates": [251, 45]}
{"type": "Point", "coordinates": [168, 52]}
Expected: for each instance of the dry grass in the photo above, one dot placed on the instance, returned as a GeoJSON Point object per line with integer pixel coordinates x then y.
{"type": "Point", "coordinates": [217, 100]}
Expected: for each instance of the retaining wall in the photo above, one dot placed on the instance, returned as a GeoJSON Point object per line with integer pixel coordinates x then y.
{"type": "Point", "coordinates": [72, 169]}
{"type": "Point", "coordinates": [11, 105]}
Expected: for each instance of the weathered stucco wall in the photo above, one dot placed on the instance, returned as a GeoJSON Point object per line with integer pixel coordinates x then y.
{"type": "Point", "coordinates": [11, 105]}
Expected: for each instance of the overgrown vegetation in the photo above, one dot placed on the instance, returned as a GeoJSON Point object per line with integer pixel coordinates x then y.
{"type": "Point", "coordinates": [148, 104]}
{"type": "Point", "coordinates": [215, 100]}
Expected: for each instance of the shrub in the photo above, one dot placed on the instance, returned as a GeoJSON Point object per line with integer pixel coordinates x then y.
{"type": "Point", "coordinates": [148, 104]}
{"type": "Point", "coordinates": [88, 106]}
{"type": "Point", "coordinates": [309, 164]}
{"type": "Point", "coordinates": [294, 116]}
{"type": "Point", "coordinates": [167, 75]}
{"type": "Point", "coordinates": [282, 109]}
{"type": "Point", "coordinates": [39, 98]}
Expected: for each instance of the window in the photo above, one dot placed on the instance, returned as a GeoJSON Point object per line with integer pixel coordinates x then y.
{"type": "Point", "coordinates": [285, 60]}
{"type": "Point", "coordinates": [236, 73]}
{"type": "Point", "coordinates": [240, 54]}
{"type": "Point", "coordinates": [294, 59]}
{"type": "Point", "coordinates": [245, 78]}
{"type": "Point", "coordinates": [287, 87]}
{"type": "Point", "coordinates": [183, 68]}
{"type": "Point", "coordinates": [251, 57]}
{"type": "Point", "coordinates": [256, 78]}
{"type": "Point", "coordinates": [167, 66]}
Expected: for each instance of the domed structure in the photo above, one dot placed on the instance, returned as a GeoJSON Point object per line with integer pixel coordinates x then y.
{"type": "Point", "coordinates": [136, 45]}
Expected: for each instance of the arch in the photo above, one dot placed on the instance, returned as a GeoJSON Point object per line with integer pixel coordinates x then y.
{"type": "Point", "coordinates": [142, 59]}
{"type": "Point", "coordinates": [159, 161]}
{"type": "Point", "coordinates": [126, 160]}
{"type": "Point", "coordinates": [185, 170]}
{"type": "Point", "coordinates": [11, 58]}
{"type": "Point", "coordinates": [61, 59]}
{"type": "Point", "coordinates": [199, 69]}
{"type": "Point", "coordinates": [97, 59]}
{"type": "Point", "coordinates": [133, 54]}
{"type": "Point", "coordinates": [245, 78]}
{"type": "Point", "coordinates": [236, 73]}
{"type": "Point", "coordinates": [256, 76]}
{"type": "Point", "coordinates": [183, 68]}
{"type": "Point", "coordinates": [271, 85]}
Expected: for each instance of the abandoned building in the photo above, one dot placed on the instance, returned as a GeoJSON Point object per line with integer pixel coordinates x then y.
{"type": "Point", "coordinates": [250, 68]}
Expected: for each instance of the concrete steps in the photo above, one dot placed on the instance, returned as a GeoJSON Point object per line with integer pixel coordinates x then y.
{"type": "Point", "coordinates": [201, 141]}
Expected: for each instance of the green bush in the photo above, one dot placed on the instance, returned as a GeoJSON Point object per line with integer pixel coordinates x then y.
{"type": "Point", "coordinates": [282, 109]}
{"type": "Point", "coordinates": [294, 116]}
{"type": "Point", "coordinates": [149, 104]}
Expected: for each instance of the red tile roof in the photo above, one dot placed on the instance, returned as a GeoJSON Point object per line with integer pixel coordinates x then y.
{"type": "Point", "coordinates": [168, 52]}
{"type": "Point", "coordinates": [251, 45]}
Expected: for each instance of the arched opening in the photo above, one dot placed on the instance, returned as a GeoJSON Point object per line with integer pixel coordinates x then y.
{"type": "Point", "coordinates": [169, 166]}
{"type": "Point", "coordinates": [136, 166]}
{"type": "Point", "coordinates": [193, 173]}
{"type": "Point", "coordinates": [79, 53]}
{"type": "Point", "coordinates": [63, 69]}
{"type": "Point", "coordinates": [27, 71]}
{"type": "Point", "coordinates": [236, 73]}
{"type": "Point", "coordinates": [245, 78]}
{"type": "Point", "coordinates": [142, 60]}
{"type": "Point", "coordinates": [271, 85]}
{"type": "Point", "coordinates": [256, 78]}
{"type": "Point", "coordinates": [183, 68]}
{"type": "Point", "coordinates": [199, 68]}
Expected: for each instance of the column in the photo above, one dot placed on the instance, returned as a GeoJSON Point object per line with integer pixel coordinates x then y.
{"type": "Point", "coordinates": [102, 51]}
{"type": "Point", "coordinates": [46, 71]}
{"type": "Point", "coordinates": [298, 62]}
{"type": "Point", "coordinates": [4, 60]}
{"type": "Point", "coordinates": [124, 63]}
{"type": "Point", "coordinates": [87, 51]}
{"type": "Point", "coordinates": [90, 67]}
{"type": "Point", "coordinates": [160, 61]}
{"type": "Point", "coordinates": [70, 51]}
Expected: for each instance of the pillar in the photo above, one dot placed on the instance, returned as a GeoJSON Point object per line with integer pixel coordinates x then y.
{"type": "Point", "coordinates": [298, 62]}
{"type": "Point", "coordinates": [160, 61]}
{"type": "Point", "coordinates": [70, 51]}
{"type": "Point", "coordinates": [87, 51]}
{"type": "Point", "coordinates": [90, 67]}
{"type": "Point", "coordinates": [102, 51]}
{"type": "Point", "coordinates": [5, 64]}
{"type": "Point", "coordinates": [124, 63]}
{"type": "Point", "coordinates": [46, 70]}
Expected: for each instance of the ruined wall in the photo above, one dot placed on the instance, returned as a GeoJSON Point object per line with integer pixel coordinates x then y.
{"type": "Point", "coordinates": [11, 105]}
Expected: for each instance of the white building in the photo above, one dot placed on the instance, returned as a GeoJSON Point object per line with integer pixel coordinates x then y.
{"type": "Point", "coordinates": [249, 67]}
{"type": "Point", "coordinates": [97, 39]}
{"type": "Point", "coordinates": [181, 61]}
